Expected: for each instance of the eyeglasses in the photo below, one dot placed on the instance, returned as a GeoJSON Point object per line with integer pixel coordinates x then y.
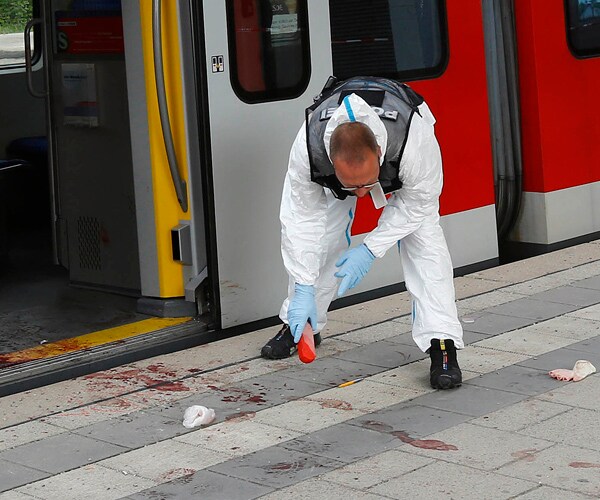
{"type": "Point", "coordinates": [364, 186]}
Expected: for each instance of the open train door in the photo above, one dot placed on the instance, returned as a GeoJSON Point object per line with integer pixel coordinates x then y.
{"type": "Point", "coordinates": [129, 197]}
{"type": "Point", "coordinates": [130, 277]}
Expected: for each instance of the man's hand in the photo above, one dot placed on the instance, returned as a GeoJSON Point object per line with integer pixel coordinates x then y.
{"type": "Point", "coordinates": [302, 309]}
{"type": "Point", "coordinates": [354, 264]}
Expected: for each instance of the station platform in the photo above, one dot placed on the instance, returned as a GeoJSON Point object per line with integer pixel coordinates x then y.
{"type": "Point", "coordinates": [286, 430]}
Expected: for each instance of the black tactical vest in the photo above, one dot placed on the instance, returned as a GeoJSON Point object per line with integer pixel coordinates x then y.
{"type": "Point", "coordinates": [394, 102]}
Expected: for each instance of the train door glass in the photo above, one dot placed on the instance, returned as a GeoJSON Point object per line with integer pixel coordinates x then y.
{"type": "Point", "coordinates": [14, 16]}
{"type": "Point", "coordinates": [269, 41]}
{"type": "Point", "coordinates": [401, 39]}
{"type": "Point", "coordinates": [583, 27]}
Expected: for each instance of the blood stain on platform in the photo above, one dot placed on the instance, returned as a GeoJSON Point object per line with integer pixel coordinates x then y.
{"type": "Point", "coordinates": [119, 404]}
{"type": "Point", "coordinates": [230, 399]}
{"type": "Point", "coordinates": [526, 455]}
{"type": "Point", "coordinates": [242, 415]}
{"type": "Point", "coordinates": [160, 369]}
{"type": "Point", "coordinates": [335, 404]}
{"type": "Point", "coordinates": [584, 465]}
{"type": "Point", "coordinates": [256, 399]}
{"type": "Point", "coordinates": [377, 426]}
{"type": "Point", "coordinates": [172, 387]}
{"type": "Point", "coordinates": [426, 444]}
{"type": "Point", "coordinates": [216, 388]}
{"type": "Point", "coordinates": [285, 466]}
{"type": "Point", "coordinates": [135, 376]}
{"type": "Point", "coordinates": [174, 474]}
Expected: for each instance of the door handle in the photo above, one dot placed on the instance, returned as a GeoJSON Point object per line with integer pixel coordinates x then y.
{"type": "Point", "coordinates": [163, 107]}
{"type": "Point", "coordinates": [29, 60]}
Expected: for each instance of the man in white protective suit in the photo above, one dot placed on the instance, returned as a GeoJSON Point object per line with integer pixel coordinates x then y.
{"type": "Point", "coordinates": [367, 136]}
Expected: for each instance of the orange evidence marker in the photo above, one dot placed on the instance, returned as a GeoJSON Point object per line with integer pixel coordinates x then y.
{"type": "Point", "coordinates": [306, 346]}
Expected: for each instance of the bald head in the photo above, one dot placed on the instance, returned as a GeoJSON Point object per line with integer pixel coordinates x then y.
{"type": "Point", "coordinates": [354, 152]}
{"type": "Point", "coordinates": [351, 142]}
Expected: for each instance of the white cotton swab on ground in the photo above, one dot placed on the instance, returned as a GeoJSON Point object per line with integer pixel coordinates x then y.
{"type": "Point", "coordinates": [198, 415]}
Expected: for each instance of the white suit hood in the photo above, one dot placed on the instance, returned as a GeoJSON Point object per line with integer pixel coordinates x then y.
{"type": "Point", "coordinates": [355, 109]}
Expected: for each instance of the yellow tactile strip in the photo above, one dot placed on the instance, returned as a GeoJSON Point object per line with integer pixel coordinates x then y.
{"type": "Point", "coordinates": [88, 340]}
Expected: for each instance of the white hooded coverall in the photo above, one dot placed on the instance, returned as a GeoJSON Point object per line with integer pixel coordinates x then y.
{"type": "Point", "coordinates": [315, 226]}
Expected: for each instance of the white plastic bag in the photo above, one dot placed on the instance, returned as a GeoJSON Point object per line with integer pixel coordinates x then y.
{"type": "Point", "coordinates": [198, 415]}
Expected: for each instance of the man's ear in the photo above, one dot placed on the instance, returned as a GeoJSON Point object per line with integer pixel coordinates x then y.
{"type": "Point", "coordinates": [378, 151]}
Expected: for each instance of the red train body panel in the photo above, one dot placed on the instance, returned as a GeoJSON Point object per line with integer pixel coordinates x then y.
{"type": "Point", "coordinates": [559, 102]}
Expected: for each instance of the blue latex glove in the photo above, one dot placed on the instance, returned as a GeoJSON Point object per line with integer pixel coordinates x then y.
{"type": "Point", "coordinates": [354, 264]}
{"type": "Point", "coordinates": [302, 309]}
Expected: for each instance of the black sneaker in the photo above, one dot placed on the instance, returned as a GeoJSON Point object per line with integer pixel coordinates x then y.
{"type": "Point", "coordinates": [282, 345]}
{"type": "Point", "coordinates": [445, 372]}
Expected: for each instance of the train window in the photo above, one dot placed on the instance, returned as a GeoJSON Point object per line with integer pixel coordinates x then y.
{"type": "Point", "coordinates": [14, 15]}
{"type": "Point", "coordinates": [583, 27]}
{"type": "Point", "coordinates": [401, 39]}
{"type": "Point", "coordinates": [268, 46]}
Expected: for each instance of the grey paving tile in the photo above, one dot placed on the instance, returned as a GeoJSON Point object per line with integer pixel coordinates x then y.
{"type": "Point", "coordinates": [380, 331]}
{"type": "Point", "coordinates": [15, 495]}
{"type": "Point", "coordinates": [317, 487]}
{"type": "Point", "coordinates": [547, 493]}
{"type": "Point", "coordinates": [518, 379]}
{"type": "Point", "coordinates": [273, 389]}
{"type": "Point", "coordinates": [277, 467]}
{"type": "Point", "coordinates": [576, 427]}
{"type": "Point", "coordinates": [520, 415]}
{"type": "Point", "coordinates": [582, 394]}
{"type": "Point", "coordinates": [15, 475]}
{"type": "Point", "coordinates": [383, 353]}
{"type": "Point", "coordinates": [470, 400]}
{"type": "Point", "coordinates": [481, 447]}
{"type": "Point", "coordinates": [134, 430]}
{"type": "Point", "coordinates": [576, 296]}
{"type": "Point", "coordinates": [251, 395]}
{"type": "Point", "coordinates": [89, 482]}
{"type": "Point", "coordinates": [560, 358]}
{"type": "Point", "coordinates": [366, 473]}
{"type": "Point", "coordinates": [61, 453]}
{"type": "Point", "coordinates": [403, 338]}
{"type": "Point", "coordinates": [589, 346]}
{"type": "Point", "coordinates": [470, 337]}
{"type": "Point", "coordinates": [27, 432]}
{"type": "Point", "coordinates": [344, 442]}
{"type": "Point", "coordinates": [494, 324]}
{"type": "Point", "coordinates": [206, 485]}
{"type": "Point", "coordinates": [446, 480]}
{"type": "Point", "coordinates": [592, 282]}
{"type": "Point", "coordinates": [537, 310]}
{"type": "Point", "coordinates": [566, 467]}
{"type": "Point", "coordinates": [415, 420]}
{"type": "Point", "coordinates": [330, 371]}
{"type": "Point", "coordinates": [591, 313]}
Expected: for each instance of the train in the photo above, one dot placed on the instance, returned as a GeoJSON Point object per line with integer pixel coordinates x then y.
{"type": "Point", "coordinates": [145, 145]}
